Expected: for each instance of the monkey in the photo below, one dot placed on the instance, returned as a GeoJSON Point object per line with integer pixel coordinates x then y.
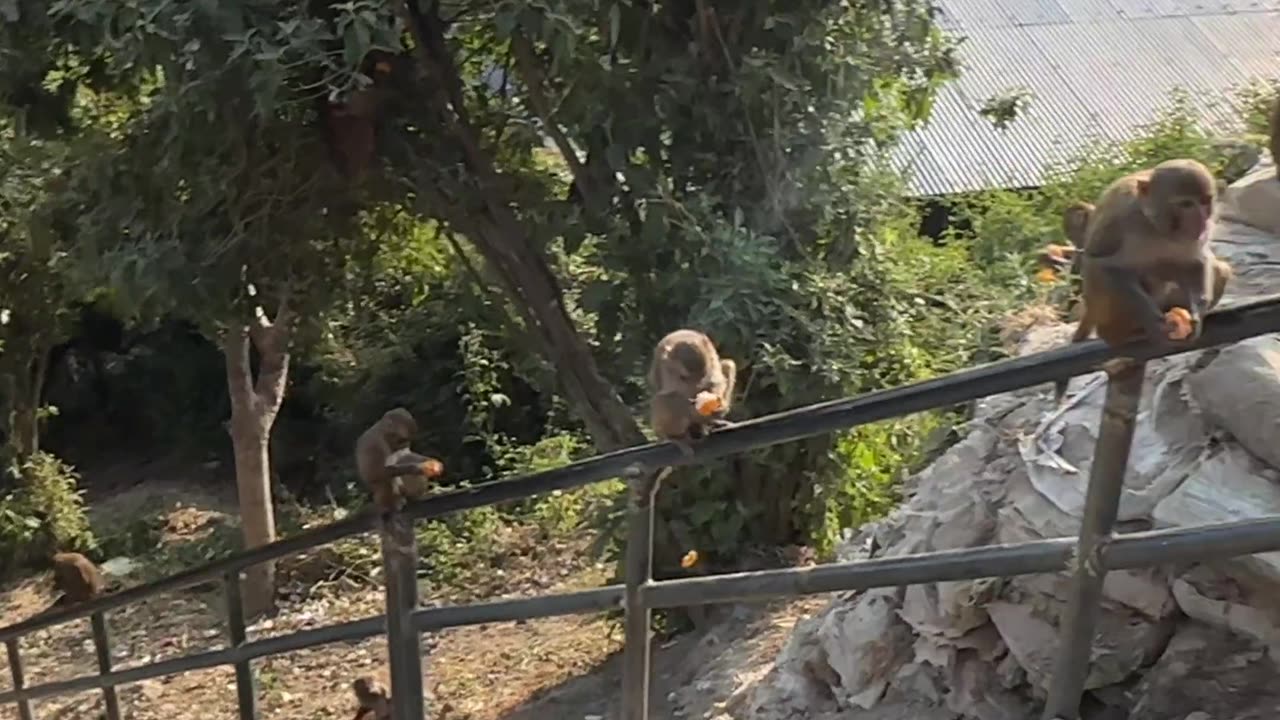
{"type": "Point", "coordinates": [1146, 251]}
{"type": "Point", "coordinates": [372, 698]}
{"type": "Point", "coordinates": [686, 363]}
{"type": "Point", "coordinates": [76, 578]}
{"type": "Point", "coordinates": [408, 474]}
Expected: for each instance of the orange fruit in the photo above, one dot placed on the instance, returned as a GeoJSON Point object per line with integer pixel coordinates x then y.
{"type": "Point", "coordinates": [707, 403]}
{"type": "Point", "coordinates": [689, 560]}
{"type": "Point", "coordinates": [1179, 322]}
{"type": "Point", "coordinates": [432, 468]}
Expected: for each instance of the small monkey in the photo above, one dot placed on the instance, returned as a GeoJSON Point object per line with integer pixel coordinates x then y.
{"type": "Point", "coordinates": [408, 474]}
{"type": "Point", "coordinates": [685, 363]}
{"type": "Point", "coordinates": [76, 578]}
{"type": "Point", "coordinates": [1146, 251]}
{"type": "Point", "coordinates": [373, 700]}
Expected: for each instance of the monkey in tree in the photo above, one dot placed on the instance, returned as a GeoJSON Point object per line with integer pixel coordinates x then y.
{"type": "Point", "coordinates": [1147, 259]}
{"type": "Point", "coordinates": [76, 577]}
{"type": "Point", "coordinates": [388, 467]}
{"type": "Point", "coordinates": [373, 700]}
{"type": "Point", "coordinates": [692, 388]}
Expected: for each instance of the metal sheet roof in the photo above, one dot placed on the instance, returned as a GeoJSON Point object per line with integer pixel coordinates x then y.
{"type": "Point", "coordinates": [1096, 69]}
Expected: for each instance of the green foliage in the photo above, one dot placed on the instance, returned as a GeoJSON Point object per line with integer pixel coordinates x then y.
{"type": "Point", "coordinates": [44, 515]}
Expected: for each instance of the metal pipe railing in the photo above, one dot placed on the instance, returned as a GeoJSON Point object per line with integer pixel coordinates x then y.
{"type": "Point", "coordinates": [1099, 551]}
{"type": "Point", "coordinates": [1132, 550]}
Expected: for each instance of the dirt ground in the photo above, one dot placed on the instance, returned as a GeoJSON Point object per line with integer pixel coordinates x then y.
{"type": "Point", "coordinates": [555, 668]}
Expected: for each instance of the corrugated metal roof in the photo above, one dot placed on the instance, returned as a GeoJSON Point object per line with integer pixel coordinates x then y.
{"type": "Point", "coordinates": [1096, 69]}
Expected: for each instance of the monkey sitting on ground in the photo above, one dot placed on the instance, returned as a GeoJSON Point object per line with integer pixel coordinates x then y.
{"type": "Point", "coordinates": [1146, 252]}
{"type": "Point", "coordinates": [686, 366]}
{"type": "Point", "coordinates": [387, 466]}
{"type": "Point", "coordinates": [373, 700]}
{"type": "Point", "coordinates": [76, 577]}
{"type": "Point", "coordinates": [1063, 258]}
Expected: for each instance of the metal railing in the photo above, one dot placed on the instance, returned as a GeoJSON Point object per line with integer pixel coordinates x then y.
{"type": "Point", "coordinates": [1089, 557]}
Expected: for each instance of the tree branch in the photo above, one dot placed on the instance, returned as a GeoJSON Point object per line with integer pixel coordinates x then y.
{"type": "Point", "coordinates": [531, 72]}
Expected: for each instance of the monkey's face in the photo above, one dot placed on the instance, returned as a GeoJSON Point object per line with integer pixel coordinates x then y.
{"type": "Point", "coordinates": [1180, 201]}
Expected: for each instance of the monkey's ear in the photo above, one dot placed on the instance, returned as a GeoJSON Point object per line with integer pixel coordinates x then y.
{"type": "Point", "coordinates": [1144, 186]}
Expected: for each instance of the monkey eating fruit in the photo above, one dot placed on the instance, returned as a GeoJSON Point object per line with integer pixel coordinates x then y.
{"type": "Point", "coordinates": [388, 467]}
{"type": "Point", "coordinates": [373, 700]}
{"type": "Point", "coordinates": [692, 388]}
{"type": "Point", "coordinates": [76, 577]}
{"type": "Point", "coordinates": [1146, 252]}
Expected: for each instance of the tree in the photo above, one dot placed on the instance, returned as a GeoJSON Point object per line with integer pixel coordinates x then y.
{"type": "Point", "coordinates": [721, 170]}
{"type": "Point", "coordinates": [210, 204]}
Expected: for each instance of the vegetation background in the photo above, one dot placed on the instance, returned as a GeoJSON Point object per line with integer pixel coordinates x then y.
{"type": "Point", "coordinates": [233, 234]}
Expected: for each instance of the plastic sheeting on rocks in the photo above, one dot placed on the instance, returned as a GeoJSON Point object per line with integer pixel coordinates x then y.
{"type": "Point", "coordinates": [1173, 643]}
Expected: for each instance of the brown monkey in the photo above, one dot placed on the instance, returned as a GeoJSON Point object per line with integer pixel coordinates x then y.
{"type": "Point", "coordinates": [686, 365]}
{"type": "Point", "coordinates": [408, 474]}
{"type": "Point", "coordinates": [76, 578]}
{"type": "Point", "coordinates": [1146, 251]}
{"type": "Point", "coordinates": [372, 698]}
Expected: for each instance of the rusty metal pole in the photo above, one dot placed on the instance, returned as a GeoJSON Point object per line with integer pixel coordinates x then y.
{"type": "Point", "coordinates": [638, 568]}
{"type": "Point", "coordinates": [404, 642]}
{"type": "Point", "coordinates": [1102, 502]}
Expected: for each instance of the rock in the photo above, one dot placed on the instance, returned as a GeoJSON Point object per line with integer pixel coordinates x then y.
{"type": "Point", "coordinates": [1239, 390]}
{"type": "Point", "coordinates": [1254, 200]}
{"type": "Point", "coordinates": [1172, 642]}
{"type": "Point", "coordinates": [1209, 671]}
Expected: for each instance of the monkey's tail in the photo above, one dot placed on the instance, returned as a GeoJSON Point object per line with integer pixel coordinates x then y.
{"type": "Point", "coordinates": [1080, 335]}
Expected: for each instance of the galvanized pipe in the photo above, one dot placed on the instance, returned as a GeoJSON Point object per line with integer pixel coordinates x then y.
{"type": "Point", "coordinates": [1101, 504]}
{"type": "Point", "coordinates": [102, 648]}
{"type": "Point", "coordinates": [1184, 544]}
{"type": "Point", "coordinates": [246, 692]}
{"type": "Point", "coordinates": [638, 571]}
{"type": "Point", "coordinates": [15, 672]}
{"type": "Point", "coordinates": [404, 642]}
{"type": "Point", "coordinates": [1225, 325]}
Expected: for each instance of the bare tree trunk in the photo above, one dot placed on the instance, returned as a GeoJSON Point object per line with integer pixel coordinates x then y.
{"type": "Point", "coordinates": [254, 406]}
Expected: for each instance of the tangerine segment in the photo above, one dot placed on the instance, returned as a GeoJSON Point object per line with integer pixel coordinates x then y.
{"type": "Point", "coordinates": [689, 560]}
{"type": "Point", "coordinates": [707, 403]}
{"type": "Point", "coordinates": [432, 467]}
{"type": "Point", "coordinates": [1178, 320]}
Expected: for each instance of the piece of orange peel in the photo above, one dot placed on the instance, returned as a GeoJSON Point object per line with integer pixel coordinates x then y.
{"type": "Point", "coordinates": [1046, 275]}
{"type": "Point", "coordinates": [689, 560]}
{"type": "Point", "coordinates": [1179, 323]}
{"type": "Point", "coordinates": [707, 403]}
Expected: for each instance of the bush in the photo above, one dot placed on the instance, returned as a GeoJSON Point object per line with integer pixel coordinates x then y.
{"type": "Point", "coordinates": [43, 515]}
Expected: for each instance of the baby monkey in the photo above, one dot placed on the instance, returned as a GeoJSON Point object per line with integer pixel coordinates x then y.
{"type": "Point", "coordinates": [388, 467]}
{"type": "Point", "coordinates": [76, 577]}
{"type": "Point", "coordinates": [692, 388]}
{"type": "Point", "coordinates": [373, 700]}
{"type": "Point", "coordinates": [1146, 251]}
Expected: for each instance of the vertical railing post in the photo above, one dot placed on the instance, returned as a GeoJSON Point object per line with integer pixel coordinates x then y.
{"type": "Point", "coordinates": [15, 669]}
{"type": "Point", "coordinates": [1102, 501]}
{"type": "Point", "coordinates": [404, 644]}
{"type": "Point", "coordinates": [102, 647]}
{"type": "Point", "coordinates": [246, 693]}
{"type": "Point", "coordinates": [638, 571]}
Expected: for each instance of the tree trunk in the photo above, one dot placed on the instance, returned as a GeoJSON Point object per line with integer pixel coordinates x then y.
{"type": "Point", "coordinates": [254, 406]}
